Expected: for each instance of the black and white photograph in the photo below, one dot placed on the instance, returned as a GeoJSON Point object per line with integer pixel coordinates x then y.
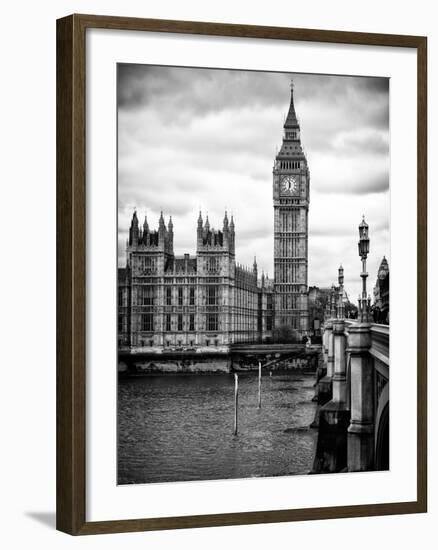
{"type": "Point", "coordinates": [253, 274]}
{"type": "Point", "coordinates": [216, 322]}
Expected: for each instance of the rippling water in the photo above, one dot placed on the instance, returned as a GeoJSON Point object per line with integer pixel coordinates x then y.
{"type": "Point", "coordinates": [178, 428]}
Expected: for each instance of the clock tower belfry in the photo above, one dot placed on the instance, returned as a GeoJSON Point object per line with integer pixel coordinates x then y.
{"type": "Point", "coordinates": [291, 180]}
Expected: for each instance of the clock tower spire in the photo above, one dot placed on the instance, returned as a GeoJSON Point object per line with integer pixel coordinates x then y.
{"type": "Point", "coordinates": [291, 179]}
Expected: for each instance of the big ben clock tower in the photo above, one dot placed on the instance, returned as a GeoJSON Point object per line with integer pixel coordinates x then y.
{"type": "Point", "coordinates": [291, 179]}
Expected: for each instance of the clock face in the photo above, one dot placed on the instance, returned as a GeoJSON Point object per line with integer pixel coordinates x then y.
{"type": "Point", "coordinates": [289, 184]}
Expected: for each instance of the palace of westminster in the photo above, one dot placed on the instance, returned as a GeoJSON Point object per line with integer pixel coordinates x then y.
{"type": "Point", "coordinates": [209, 301]}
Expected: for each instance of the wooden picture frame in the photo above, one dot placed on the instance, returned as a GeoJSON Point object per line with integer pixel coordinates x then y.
{"type": "Point", "coordinates": [71, 273]}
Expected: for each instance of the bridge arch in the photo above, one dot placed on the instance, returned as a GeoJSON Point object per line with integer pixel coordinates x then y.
{"type": "Point", "coordinates": [382, 431]}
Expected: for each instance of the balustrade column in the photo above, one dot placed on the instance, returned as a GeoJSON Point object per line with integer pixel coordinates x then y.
{"type": "Point", "coordinates": [325, 346]}
{"type": "Point", "coordinates": [324, 384]}
{"type": "Point", "coordinates": [339, 382]}
{"type": "Point", "coordinates": [361, 429]}
{"type": "Point", "coordinates": [330, 349]}
{"type": "Point", "coordinates": [334, 416]}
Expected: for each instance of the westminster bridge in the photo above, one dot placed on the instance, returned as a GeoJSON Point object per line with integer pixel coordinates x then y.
{"type": "Point", "coordinates": [352, 393]}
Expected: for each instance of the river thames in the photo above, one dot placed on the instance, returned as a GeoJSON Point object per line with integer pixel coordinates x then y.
{"type": "Point", "coordinates": [180, 427]}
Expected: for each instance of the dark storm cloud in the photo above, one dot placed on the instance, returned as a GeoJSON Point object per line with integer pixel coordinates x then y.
{"type": "Point", "coordinates": [196, 92]}
{"type": "Point", "coordinates": [345, 115]}
{"type": "Point", "coordinates": [184, 91]}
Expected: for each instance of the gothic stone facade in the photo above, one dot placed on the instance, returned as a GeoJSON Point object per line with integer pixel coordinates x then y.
{"type": "Point", "coordinates": [291, 178]}
{"type": "Point", "coordinates": [202, 303]}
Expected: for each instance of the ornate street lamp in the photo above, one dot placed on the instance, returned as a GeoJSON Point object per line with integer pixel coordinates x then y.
{"type": "Point", "coordinates": [327, 309]}
{"type": "Point", "coordinates": [333, 302]}
{"type": "Point", "coordinates": [364, 248]}
{"type": "Point", "coordinates": [341, 313]}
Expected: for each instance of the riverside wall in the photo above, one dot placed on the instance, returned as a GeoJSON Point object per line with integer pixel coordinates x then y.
{"type": "Point", "coordinates": [216, 363]}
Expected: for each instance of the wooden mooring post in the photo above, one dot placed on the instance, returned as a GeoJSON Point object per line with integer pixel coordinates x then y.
{"type": "Point", "coordinates": [236, 401]}
{"type": "Point", "coordinates": [260, 385]}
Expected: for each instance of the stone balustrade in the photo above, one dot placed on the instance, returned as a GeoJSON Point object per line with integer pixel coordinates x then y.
{"type": "Point", "coordinates": [353, 398]}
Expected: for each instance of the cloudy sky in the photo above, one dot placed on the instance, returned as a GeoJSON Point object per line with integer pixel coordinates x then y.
{"type": "Point", "coordinates": [191, 139]}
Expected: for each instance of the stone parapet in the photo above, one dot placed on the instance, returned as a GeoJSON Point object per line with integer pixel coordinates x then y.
{"type": "Point", "coordinates": [361, 428]}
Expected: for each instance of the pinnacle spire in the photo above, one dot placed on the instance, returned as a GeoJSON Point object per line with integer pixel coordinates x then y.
{"type": "Point", "coordinates": [161, 224]}
{"type": "Point", "coordinates": [291, 119]}
{"type": "Point", "coordinates": [133, 230]}
{"type": "Point", "coordinates": [363, 223]}
{"type": "Point", "coordinates": [226, 220]}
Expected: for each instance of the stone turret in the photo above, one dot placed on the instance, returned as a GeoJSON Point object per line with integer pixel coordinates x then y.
{"type": "Point", "coordinates": [145, 235]}
{"type": "Point", "coordinates": [232, 236]}
{"type": "Point", "coordinates": [199, 231]}
{"type": "Point", "coordinates": [147, 239]}
{"type": "Point", "coordinates": [161, 225]}
{"type": "Point", "coordinates": [134, 231]}
{"type": "Point", "coordinates": [226, 226]}
{"type": "Point", "coordinates": [210, 239]}
{"type": "Point", "coordinates": [169, 240]}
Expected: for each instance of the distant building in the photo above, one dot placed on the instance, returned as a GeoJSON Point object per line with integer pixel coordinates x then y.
{"type": "Point", "coordinates": [381, 294]}
{"type": "Point", "coordinates": [201, 303]}
{"type": "Point", "coordinates": [318, 302]}
{"type": "Point", "coordinates": [317, 299]}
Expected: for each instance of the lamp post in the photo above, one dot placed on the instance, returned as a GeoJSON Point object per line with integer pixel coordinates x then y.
{"type": "Point", "coordinates": [327, 309]}
{"type": "Point", "coordinates": [360, 452]}
{"type": "Point", "coordinates": [341, 313]}
{"type": "Point", "coordinates": [364, 248]}
{"type": "Point", "coordinates": [333, 302]}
